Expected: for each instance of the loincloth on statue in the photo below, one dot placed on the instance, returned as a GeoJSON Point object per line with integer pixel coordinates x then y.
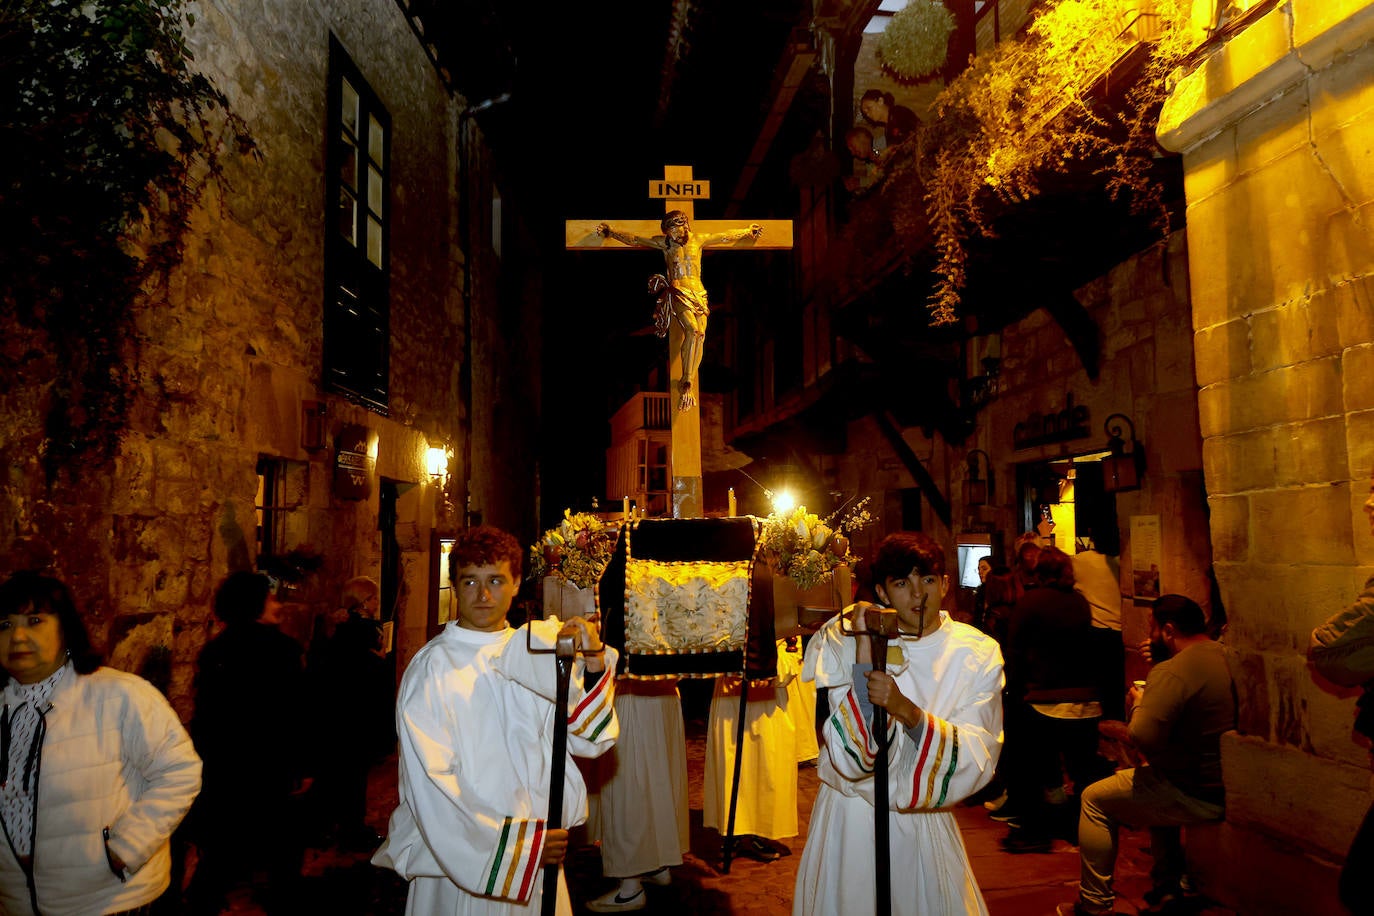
{"type": "Point", "coordinates": [674, 300]}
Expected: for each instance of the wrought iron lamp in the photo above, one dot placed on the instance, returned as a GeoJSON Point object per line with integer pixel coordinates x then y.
{"type": "Point", "coordinates": [1123, 468]}
{"type": "Point", "coordinates": [977, 491]}
{"type": "Point", "coordinates": [981, 386]}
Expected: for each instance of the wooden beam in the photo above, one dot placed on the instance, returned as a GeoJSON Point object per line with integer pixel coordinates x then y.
{"type": "Point", "coordinates": [938, 503]}
{"type": "Point", "coordinates": [581, 233]}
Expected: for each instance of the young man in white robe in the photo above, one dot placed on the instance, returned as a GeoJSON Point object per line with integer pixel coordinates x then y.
{"type": "Point", "coordinates": [475, 716]}
{"type": "Point", "coordinates": [942, 689]}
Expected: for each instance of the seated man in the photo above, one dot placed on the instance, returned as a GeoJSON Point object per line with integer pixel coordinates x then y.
{"type": "Point", "coordinates": [1176, 723]}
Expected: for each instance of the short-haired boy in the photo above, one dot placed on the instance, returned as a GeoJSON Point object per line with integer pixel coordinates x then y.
{"type": "Point", "coordinates": [475, 718]}
{"type": "Point", "coordinates": [942, 689]}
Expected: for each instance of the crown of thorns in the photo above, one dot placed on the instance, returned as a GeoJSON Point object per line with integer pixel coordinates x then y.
{"type": "Point", "coordinates": [674, 218]}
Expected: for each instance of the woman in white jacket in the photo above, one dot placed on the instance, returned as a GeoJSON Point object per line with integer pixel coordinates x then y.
{"type": "Point", "coordinates": [97, 769]}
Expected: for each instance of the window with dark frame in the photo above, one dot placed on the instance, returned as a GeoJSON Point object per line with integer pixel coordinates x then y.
{"type": "Point", "coordinates": [282, 489]}
{"type": "Point", "coordinates": [357, 333]}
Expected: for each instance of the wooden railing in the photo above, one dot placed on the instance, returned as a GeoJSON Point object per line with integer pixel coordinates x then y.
{"type": "Point", "coordinates": [646, 410]}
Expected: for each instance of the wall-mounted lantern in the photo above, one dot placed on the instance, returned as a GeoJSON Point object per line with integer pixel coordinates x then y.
{"type": "Point", "coordinates": [1123, 468]}
{"type": "Point", "coordinates": [977, 490]}
{"type": "Point", "coordinates": [436, 463]}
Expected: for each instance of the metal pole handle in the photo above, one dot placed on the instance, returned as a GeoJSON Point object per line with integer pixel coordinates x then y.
{"type": "Point", "coordinates": [882, 855]}
{"type": "Point", "coordinates": [565, 652]}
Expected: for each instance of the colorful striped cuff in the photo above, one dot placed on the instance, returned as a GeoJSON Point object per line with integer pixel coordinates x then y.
{"type": "Point", "coordinates": [853, 730]}
{"type": "Point", "coordinates": [515, 863]}
{"type": "Point", "coordinates": [935, 762]}
{"type": "Point", "coordinates": [594, 713]}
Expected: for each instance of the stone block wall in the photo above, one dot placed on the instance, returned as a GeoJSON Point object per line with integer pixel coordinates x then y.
{"type": "Point", "coordinates": [247, 303]}
{"type": "Point", "coordinates": [1275, 128]}
{"type": "Point", "coordinates": [230, 347]}
{"type": "Point", "coordinates": [1141, 307]}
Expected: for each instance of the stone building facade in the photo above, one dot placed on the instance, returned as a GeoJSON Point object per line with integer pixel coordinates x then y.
{"type": "Point", "coordinates": [232, 446]}
{"type": "Point", "coordinates": [1275, 131]}
{"type": "Point", "coordinates": [1142, 310]}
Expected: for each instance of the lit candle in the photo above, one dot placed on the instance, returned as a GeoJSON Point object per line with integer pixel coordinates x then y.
{"type": "Point", "coordinates": [625, 507]}
{"type": "Point", "coordinates": [732, 502]}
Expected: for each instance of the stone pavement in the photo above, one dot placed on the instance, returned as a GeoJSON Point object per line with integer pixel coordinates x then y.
{"type": "Point", "coordinates": [344, 883]}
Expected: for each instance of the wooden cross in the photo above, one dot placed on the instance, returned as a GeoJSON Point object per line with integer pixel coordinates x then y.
{"type": "Point", "coordinates": [679, 191]}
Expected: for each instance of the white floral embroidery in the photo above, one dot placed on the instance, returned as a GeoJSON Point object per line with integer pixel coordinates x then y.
{"type": "Point", "coordinates": [686, 607]}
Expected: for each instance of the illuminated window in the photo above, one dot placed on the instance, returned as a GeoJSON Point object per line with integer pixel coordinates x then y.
{"type": "Point", "coordinates": [281, 493]}
{"type": "Point", "coordinates": [357, 333]}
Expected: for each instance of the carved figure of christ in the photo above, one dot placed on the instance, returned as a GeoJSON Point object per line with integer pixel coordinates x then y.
{"type": "Point", "coordinates": [682, 297]}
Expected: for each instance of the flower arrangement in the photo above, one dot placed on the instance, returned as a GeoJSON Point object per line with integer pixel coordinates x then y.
{"type": "Point", "coordinates": [805, 548]}
{"type": "Point", "coordinates": [577, 550]}
{"type": "Point", "coordinates": [916, 41]}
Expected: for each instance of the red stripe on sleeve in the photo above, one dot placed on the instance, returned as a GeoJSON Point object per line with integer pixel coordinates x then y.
{"type": "Point", "coordinates": [595, 692]}
{"type": "Point", "coordinates": [859, 719]}
{"type": "Point", "coordinates": [531, 866]}
{"type": "Point", "coordinates": [920, 763]}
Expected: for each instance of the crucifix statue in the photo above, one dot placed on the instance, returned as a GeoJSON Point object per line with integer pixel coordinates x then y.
{"type": "Point", "coordinates": [682, 306]}
{"type": "Point", "coordinates": [681, 294]}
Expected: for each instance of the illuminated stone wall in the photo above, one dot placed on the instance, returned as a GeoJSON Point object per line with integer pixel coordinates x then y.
{"type": "Point", "coordinates": [1141, 310]}
{"type": "Point", "coordinates": [1277, 132]}
{"type": "Point", "coordinates": [231, 348]}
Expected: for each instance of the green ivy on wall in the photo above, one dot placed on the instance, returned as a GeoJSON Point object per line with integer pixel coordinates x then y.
{"type": "Point", "coordinates": [109, 138]}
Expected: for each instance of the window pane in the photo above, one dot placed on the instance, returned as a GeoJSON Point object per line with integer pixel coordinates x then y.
{"type": "Point", "coordinates": [374, 191]}
{"type": "Point", "coordinates": [376, 135]}
{"type": "Point", "coordinates": [374, 241]}
{"type": "Point", "coordinates": [348, 108]}
{"type": "Point", "coordinates": [348, 216]}
{"type": "Point", "coordinates": [348, 164]}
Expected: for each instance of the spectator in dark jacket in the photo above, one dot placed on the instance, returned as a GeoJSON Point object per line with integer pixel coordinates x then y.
{"type": "Point", "coordinates": [249, 728]}
{"type": "Point", "coordinates": [1052, 702]}
{"type": "Point", "coordinates": [352, 686]}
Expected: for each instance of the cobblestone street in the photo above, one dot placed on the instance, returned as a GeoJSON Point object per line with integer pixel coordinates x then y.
{"type": "Point", "coordinates": [341, 882]}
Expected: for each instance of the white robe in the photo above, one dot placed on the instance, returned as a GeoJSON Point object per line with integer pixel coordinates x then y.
{"type": "Point", "coordinates": [768, 772]}
{"type": "Point", "coordinates": [955, 676]}
{"type": "Point", "coordinates": [475, 719]}
{"type": "Point", "coordinates": [640, 814]}
{"type": "Point", "coordinates": [801, 701]}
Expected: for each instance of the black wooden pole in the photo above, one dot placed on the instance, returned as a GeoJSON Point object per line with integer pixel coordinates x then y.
{"type": "Point", "coordinates": [728, 841]}
{"type": "Point", "coordinates": [882, 856]}
{"type": "Point", "coordinates": [565, 652]}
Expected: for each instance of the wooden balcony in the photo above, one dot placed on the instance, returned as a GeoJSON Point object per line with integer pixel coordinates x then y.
{"type": "Point", "coordinates": [646, 410]}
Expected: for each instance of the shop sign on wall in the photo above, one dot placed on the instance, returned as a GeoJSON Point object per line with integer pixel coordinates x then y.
{"type": "Point", "coordinates": [352, 464]}
{"type": "Point", "coordinates": [1145, 550]}
{"type": "Point", "coordinates": [1044, 429]}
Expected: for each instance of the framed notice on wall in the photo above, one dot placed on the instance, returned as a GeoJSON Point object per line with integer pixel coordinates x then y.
{"type": "Point", "coordinates": [1145, 551]}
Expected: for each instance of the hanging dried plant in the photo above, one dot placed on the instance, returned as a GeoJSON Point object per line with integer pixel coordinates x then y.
{"type": "Point", "coordinates": [1021, 112]}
